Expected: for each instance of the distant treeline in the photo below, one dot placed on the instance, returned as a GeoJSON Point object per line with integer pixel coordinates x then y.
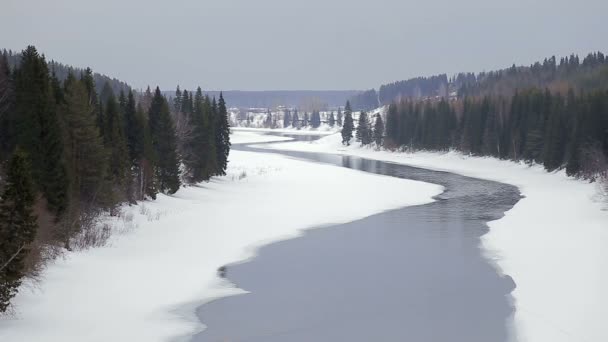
{"type": "Point", "coordinates": [69, 153]}
{"type": "Point", "coordinates": [307, 100]}
{"type": "Point", "coordinates": [62, 71]}
{"type": "Point", "coordinates": [554, 129]}
{"type": "Point", "coordinates": [588, 74]}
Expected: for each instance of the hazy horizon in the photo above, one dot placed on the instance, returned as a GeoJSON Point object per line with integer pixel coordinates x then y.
{"type": "Point", "coordinates": [313, 45]}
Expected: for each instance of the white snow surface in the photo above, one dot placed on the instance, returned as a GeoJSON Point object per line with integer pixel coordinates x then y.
{"type": "Point", "coordinates": [162, 261]}
{"type": "Point", "coordinates": [322, 130]}
{"type": "Point", "coordinates": [553, 243]}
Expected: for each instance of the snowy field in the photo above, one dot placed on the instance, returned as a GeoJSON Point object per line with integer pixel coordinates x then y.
{"type": "Point", "coordinates": [162, 261]}
{"type": "Point", "coordinates": [323, 130]}
{"type": "Point", "coordinates": [554, 242]}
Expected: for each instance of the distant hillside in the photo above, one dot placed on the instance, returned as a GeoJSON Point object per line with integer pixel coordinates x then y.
{"type": "Point", "coordinates": [587, 74]}
{"type": "Point", "coordinates": [62, 70]}
{"type": "Point", "coordinates": [304, 99]}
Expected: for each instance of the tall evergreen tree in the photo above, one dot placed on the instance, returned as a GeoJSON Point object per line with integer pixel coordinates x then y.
{"type": "Point", "coordinates": [378, 130]}
{"type": "Point", "coordinates": [87, 159]}
{"type": "Point", "coordinates": [332, 120]}
{"type": "Point", "coordinates": [134, 134]}
{"type": "Point", "coordinates": [392, 126]}
{"type": "Point", "coordinates": [315, 119]}
{"type": "Point", "coordinates": [116, 144]}
{"type": "Point", "coordinates": [295, 119]}
{"type": "Point", "coordinates": [36, 128]}
{"type": "Point", "coordinates": [17, 226]}
{"type": "Point", "coordinates": [286, 118]}
{"type": "Point", "coordinates": [348, 126]}
{"type": "Point", "coordinates": [222, 136]}
{"type": "Point", "coordinates": [363, 133]}
{"type": "Point", "coordinates": [164, 143]}
{"type": "Point", "coordinates": [339, 117]}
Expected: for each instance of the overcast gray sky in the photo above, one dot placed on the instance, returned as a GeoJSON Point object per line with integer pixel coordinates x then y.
{"type": "Point", "coordinates": [305, 44]}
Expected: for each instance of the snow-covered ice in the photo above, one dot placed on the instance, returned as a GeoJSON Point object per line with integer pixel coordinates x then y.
{"type": "Point", "coordinates": [554, 242]}
{"type": "Point", "coordinates": [145, 284]}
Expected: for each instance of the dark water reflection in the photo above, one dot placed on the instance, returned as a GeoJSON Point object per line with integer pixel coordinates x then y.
{"type": "Point", "coordinates": [411, 274]}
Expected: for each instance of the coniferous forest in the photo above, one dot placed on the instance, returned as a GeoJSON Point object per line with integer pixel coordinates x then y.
{"type": "Point", "coordinates": [554, 114]}
{"type": "Point", "coordinates": [70, 151]}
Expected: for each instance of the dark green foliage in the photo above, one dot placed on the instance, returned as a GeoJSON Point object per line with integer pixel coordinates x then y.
{"type": "Point", "coordinates": [204, 160]}
{"type": "Point", "coordinates": [378, 134]}
{"type": "Point", "coordinates": [87, 152]}
{"type": "Point", "coordinates": [36, 129]}
{"type": "Point", "coordinates": [347, 128]}
{"type": "Point", "coordinates": [164, 144]}
{"type": "Point", "coordinates": [17, 226]}
{"type": "Point", "coordinates": [286, 118]}
{"type": "Point", "coordinates": [295, 119]}
{"type": "Point", "coordinates": [364, 131]}
{"type": "Point", "coordinates": [6, 99]}
{"type": "Point", "coordinates": [315, 119]}
{"type": "Point", "coordinates": [392, 127]}
{"type": "Point", "coordinates": [332, 120]}
{"type": "Point", "coordinates": [533, 125]}
{"type": "Point", "coordinates": [222, 136]}
{"type": "Point", "coordinates": [86, 157]}
{"type": "Point", "coordinates": [116, 142]}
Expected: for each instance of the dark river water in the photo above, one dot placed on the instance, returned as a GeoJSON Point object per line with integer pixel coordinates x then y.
{"type": "Point", "coordinates": [412, 274]}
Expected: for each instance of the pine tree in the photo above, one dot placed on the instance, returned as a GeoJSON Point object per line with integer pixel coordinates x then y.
{"type": "Point", "coordinates": [222, 137]}
{"type": "Point", "coordinates": [6, 102]}
{"type": "Point", "coordinates": [116, 144]}
{"type": "Point", "coordinates": [286, 118]}
{"type": "Point", "coordinates": [363, 133]}
{"type": "Point", "coordinates": [295, 119]}
{"type": "Point", "coordinates": [17, 226]}
{"type": "Point", "coordinates": [164, 144]}
{"type": "Point", "coordinates": [268, 119]}
{"type": "Point", "coordinates": [36, 128]}
{"type": "Point", "coordinates": [86, 157]}
{"type": "Point", "coordinates": [347, 128]}
{"type": "Point", "coordinates": [147, 179]}
{"type": "Point", "coordinates": [315, 119]}
{"type": "Point", "coordinates": [339, 117]}
{"type": "Point", "coordinates": [134, 134]}
{"type": "Point", "coordinates": [177, 101]}
{"type": "Point", "coordinates": [378, 130]}
{"type": "Point", "coordinates": [332, 120]}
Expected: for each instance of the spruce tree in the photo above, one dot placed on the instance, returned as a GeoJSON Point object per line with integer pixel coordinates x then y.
{"type": "Point", "coordinates": [332, 120]}
{"type": "Point", "coordinates": [392, 127]}
{"type": "Point", "coordinates": [36, 128]}
{"type": "Point", "coordinates": [17, 226]}
{"type": "Point", "coordinates": [87, 159]}
{"type": "Point", "coordinates": [222, 137]}
{"type": "Point", "coordinates": [363, 133]}
{"type": "Point", "coordinates": [348, 126]}
{"type": "Point", "coordinates": [164, 144]}
{"type": "Point", "coordinates": [286, 118]}
{"type": "Point", "coordinates": [378, 130]}
{"type": "Point", "coordinates": [134, 134]}
{"type": "Point", "coordinates": [295, 119]}
{"type": "Point", "coordinates": [147, 178]}
{"type": "Point", "coordinates": [116, 144]}
{"type": "Point", "coordinates": [305, 120]}
{"type": "Point", "coordinates": [339, 117]}
{"type": "Point", "coordinates": [315, 119]}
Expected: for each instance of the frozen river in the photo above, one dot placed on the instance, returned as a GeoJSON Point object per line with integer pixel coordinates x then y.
{"type": "Point", "coordinates": [411, 274]}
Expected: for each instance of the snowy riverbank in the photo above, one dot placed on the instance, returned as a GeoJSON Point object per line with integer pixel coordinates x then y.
{"type": "Point", "coordinates": [554, 242]}
{"type": "Point", "coordinates": [163, 259]}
